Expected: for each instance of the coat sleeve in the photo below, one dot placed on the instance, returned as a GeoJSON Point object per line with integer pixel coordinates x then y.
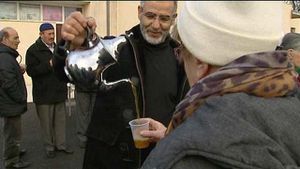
{"type": "Point", "coordinates": [34, 65]}
{"type": "Point", "coordinates": [58, 61]}
{"type": "Point", "coordinates": [9, 81]}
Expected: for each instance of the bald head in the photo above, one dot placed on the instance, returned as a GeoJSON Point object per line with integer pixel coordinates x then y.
{"type": "Point", "coordinates": [9, 37]}
{"type": "Point", "coordinates": [142, 3]}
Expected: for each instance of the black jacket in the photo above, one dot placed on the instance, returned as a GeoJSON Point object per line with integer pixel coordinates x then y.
{"type": "Point", "coordinates": [13, 94]}
{"type": "Point", "coordinates": [115, 108]}
{"type": "Point", "coordinates": [47, 88]}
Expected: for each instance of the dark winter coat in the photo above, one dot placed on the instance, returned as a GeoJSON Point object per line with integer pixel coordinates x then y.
{"type": "Point", "coordinates": [234, 131]}
{"type": "Point", "coordinates": [47, 88]}
{"type": "Point", "coordinates": [13, 94]}
{"type": "Point", "coordinates": [117, 106]}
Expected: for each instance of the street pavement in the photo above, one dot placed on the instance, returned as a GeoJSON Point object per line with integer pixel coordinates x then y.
{"type": "Point", "coordinates": [32, 141]}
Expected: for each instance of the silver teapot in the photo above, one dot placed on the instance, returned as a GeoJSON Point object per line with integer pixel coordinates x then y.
{"type": "Point", "coordinates": [85, 66]}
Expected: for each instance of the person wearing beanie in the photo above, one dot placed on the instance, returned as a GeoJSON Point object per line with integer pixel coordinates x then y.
{"type": "Point", "coordinates": [242, 110]}
{"type": "Point", "coordinates": [46, 26]}
{"type": "Point", "coordinates": [49, 93]}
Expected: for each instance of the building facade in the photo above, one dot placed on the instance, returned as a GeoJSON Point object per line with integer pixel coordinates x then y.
{"type": "Point", "coordinates": [112, 17]}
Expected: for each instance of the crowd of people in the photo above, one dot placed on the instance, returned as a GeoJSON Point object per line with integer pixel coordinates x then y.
{"type": "Point", "coordinates": [217, 91]}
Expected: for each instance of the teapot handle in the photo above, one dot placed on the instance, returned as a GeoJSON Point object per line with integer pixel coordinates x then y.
{"type": "Point", "coordinates": [88, 41]}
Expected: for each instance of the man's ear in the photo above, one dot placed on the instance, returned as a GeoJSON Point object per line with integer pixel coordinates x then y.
{"type": "Point", "coordinates": [4, 41]}
{"type": "Point", "coordinates": [290, 53]}
{"type": "Point", "coordinates": [140, 11]}
{"type": "Point", "coordinates": [202, 69]}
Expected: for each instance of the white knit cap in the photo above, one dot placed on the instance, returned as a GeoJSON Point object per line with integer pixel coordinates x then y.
{"type": "Point", "coordinates": [218, 32]}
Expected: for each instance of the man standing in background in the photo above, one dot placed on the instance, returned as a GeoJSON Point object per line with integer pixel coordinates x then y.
{"type": "Point", "coordinates": [13, 98]}
{"type": "Point", "coordinates": [49, 94]}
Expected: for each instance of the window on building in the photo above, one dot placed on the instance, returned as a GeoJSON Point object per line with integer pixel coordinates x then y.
{"type": "Point", "coordinates": [30, 12]}
{"type": "Point", "coordinates": [8, 10]}
{"type": "Point", "coordinates": [52, 13]}
{"type": "Point", "coordinates": [69, 10]}
{"type": "Point", "coordinates": [21, 10]}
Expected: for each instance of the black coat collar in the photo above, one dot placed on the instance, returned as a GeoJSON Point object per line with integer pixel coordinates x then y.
{"type": "Point", "coordinates": [7, 49]}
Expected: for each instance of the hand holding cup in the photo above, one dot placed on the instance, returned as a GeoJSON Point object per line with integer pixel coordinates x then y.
{"type": "Point", "coordinates": [138, 125]}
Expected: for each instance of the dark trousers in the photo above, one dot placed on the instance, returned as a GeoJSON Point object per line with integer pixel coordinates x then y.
{"type": "Point", "coordinates": [99, 155]}
{"type": "Point", "coordinates": [12, 138]}
{"type": "Point", "coordinates": [121, 155]}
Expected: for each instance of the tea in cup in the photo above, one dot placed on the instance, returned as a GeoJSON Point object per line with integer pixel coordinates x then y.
{"type": "Point", "coordinates": [138, 125]}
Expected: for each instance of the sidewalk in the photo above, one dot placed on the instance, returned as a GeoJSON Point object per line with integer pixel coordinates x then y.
{"type": "Point", "coordinates": [33, 143]}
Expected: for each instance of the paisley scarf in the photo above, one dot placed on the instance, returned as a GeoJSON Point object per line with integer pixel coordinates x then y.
{"type": "Point", "coordinates": [264, 74]}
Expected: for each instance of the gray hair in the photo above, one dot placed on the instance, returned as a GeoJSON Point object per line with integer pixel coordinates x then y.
{"type": "Point", "coordinates": [290, 41]}
{"type": "Point", "coordinates": [175, 4]}
{"type": "Point", "coordinates": [4, 33]}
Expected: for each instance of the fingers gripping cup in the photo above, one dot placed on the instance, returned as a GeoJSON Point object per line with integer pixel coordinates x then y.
{"type": "Point", "coordinates": [137, 125]}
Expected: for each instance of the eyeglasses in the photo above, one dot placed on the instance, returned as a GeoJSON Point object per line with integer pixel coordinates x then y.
{"type": "Point", "coordinates": [162, 18]}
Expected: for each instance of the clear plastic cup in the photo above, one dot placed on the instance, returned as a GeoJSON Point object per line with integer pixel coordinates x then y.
{"type": "Point", "coordinates": [137, 125]}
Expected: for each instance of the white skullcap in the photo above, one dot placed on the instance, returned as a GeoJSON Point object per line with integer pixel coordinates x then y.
{"type": "Point", "coordinates": [218, 32]}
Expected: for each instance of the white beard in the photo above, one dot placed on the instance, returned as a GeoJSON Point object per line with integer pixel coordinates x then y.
{"type": "Point", "coordinates": [153, 41]}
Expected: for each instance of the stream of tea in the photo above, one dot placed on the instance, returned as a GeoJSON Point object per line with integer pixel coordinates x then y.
{"type": "Point", "coordinates": [134, 91]}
